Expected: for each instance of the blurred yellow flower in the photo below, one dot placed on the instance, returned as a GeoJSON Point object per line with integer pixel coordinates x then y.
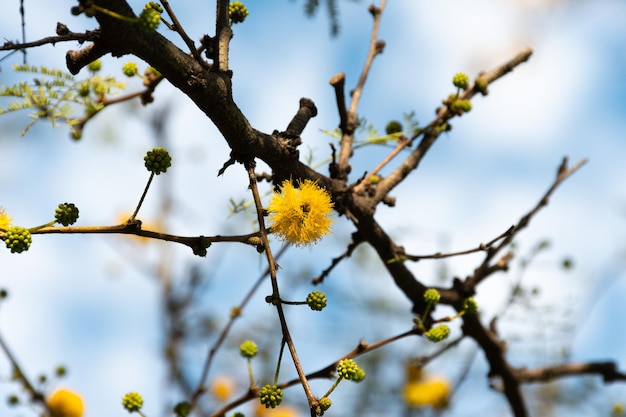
{"type": "Point", "coordinates": [280, 411]}
{"type": "Point", "coordinates": [65, 403]}
{"type": "Point", "coordinates": [430, 392]}
{"type": "Point", "coordinates": [222, 388]}
{"type": "Point", "coordinates": [302, 215]}
{"type": "Point", "coordinates": [5, 220]}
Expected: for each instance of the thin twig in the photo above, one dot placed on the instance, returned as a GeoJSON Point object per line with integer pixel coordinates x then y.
{"type": "Point", "coordinates": [431, 132]}
{"type": "Point", "coordinates": [347, 135]}
{"type": "Point", "coordinates": [177, 27]}
{"type": "Point", "coordinates": [19, 374]}
{"type": "Point", "coordinates": [563, 173]}
{"type": "Point", "coordinates": [480, 248]}
{"type": "Point", "coordinates": [70, 36]}
{"type": "Point", "coordinates": [607, 370]}
{"type": "Point", "coordinates": [403, 142]}
{"type": "Point", "coordinates": [325, 372]}
{"type": "Point", "coordinates": [197, 243]}
{"type": "Point", "coordinates": [143, 196]}
{"type": "Point", "coordinates": [275, 293]}
{"type": "Point", "coordinates": [356, 241]}
{"type": "Point", "coordinates": [226, 330]}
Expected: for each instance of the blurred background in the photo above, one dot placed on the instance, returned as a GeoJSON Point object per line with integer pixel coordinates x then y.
{"type": "Point", "coordinates": [104, 305]}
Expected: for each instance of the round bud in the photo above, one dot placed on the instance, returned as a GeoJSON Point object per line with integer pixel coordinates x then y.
{"type": "Point", "coordinates": [66, 214]}
{"type": "Point", "coordinates": [130, 69]}
{"type": "Point", "coordinates": [132, 402]}
{"type": "Point", "coordinates": [348, 369]}
{"type": "Point", "coordinates": [316, 300]}
{"type": "Point", "coordinates": [271, 396]}
{"type": "Point", "coordinates": [470, 306]}
{"type": "Point", "coordinates": [157, 160]}
{"type": "Point", "coordinates": [95, 66]}
{"type": "Point", "coordinates": [324, 404]}
{"type": "Point", "coordinates": [182, 409]}
{"type": "Point", "coordinates": [460, 80]}
{"type": "Point", "coordinates": [17, 239]}
{"type": "Point", "coordinates": [432, 296]}
{"type": "Point", "coordinates": [393, 126]}
{"type": "Point", "coordinates": [248, 349]}
{"type": "Point", "coordinates": [150, 17]}
{"type": "Point", "coordinates": [237, 12]}
{"type": "Point", "coordinates": [439, 333]}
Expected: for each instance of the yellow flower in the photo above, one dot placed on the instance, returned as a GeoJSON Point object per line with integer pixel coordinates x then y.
{"type": "Point", "coordinates": [65, 403]}
{"type": "Point", "coordinates": [302, 215]}
{"type": "Point", "coordinates": [280, 411]}
{"type": "Point", "coordinates": [222, 388]}
{"type": "Point", "coordinates": [432, 392]}
{"type": "Point", "coordinates": [5, 220]}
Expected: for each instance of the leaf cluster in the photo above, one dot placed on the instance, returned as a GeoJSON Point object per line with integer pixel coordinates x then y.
{"type": "Point", "coordinates": [52, 95]}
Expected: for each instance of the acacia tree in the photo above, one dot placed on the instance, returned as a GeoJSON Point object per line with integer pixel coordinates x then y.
{"type": "Point", "coordinates": [299, 211]}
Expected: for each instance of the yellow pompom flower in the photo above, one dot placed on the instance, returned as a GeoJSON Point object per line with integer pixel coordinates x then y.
{"type": "Point", "coordinates": [5, 220]}
{"type": "Point", "coordinates": [302, 215]}
{"type": "Point", "coordinates": [430, 392]}
{"type": "Point", "coordinates": [65, 403]}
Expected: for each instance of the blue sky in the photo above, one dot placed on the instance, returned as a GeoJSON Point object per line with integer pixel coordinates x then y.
{"type": "Point", "coordinates": [80, 301]}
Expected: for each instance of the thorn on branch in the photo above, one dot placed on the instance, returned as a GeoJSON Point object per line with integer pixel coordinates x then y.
{"type": "Point", "coordinates": [380, 46]}
{"type": "Point", "coordinates": [374, 11]}
{"type": "Point", "coordinates": [62, 30]}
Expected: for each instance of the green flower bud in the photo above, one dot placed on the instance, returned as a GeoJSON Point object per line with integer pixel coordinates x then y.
{"type": "Point", "coordinates": [100, 89]}
{"type": "Point", "coordinates": [439, 333]}
{"type": "Point", "coordinates": [324, 404]}
{"type": "Point", "coordinates": [130, 69]}
{"type": "Point", "coordinates": [432, 296]}
{"type": "Point", "coordinates": [17, 239]}
{"type": "Point", "coordinates": [150, 17]}
{"type": "Point", "coordinates": [461, 105]}
{"type": "Point", "coordinates": [66, 214]}
{"type": "Point", "coordinates": [393, 126]}
{"type": "Point", "coordinates": [182, 409]}
{"type": "Point", "coordinates": [470, 306]}
{"type": "Point", "coordinates": [460, 80]}
{"type": "Point", "coordinates": [237, 12]}
{"type": "Point", "coordinates": [76, 134]}
{"type": "Point", "coordinates": [316, 300]}
{"type": "Point", "coordinates": [95, 66]}
{"type": "Point", "coordinates": [248, 349]}
{"type": "Point", "coordinates": [348, 369]}
{"type": "Point", "coordinates": [271, 396]}
{"type": "Point", "coordinates": [60, 371]}
{"type": "Point", "coordinates": [157, 160]}
{"type": "Point", "coordinates": [359, 375]}
{"type": "Point", "coordinates": [84, 89]}
{"type": "Point", "coordinates": [132, 402]}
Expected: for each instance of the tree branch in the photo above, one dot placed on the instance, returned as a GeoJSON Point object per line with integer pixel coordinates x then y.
{"type": "Point", "coordinates": [347, 135]}
{"type": "Point", "coordinates": [434, 128]}
{"type": "Point", "coordinates": [607, 370]}
{"type": "Point", "coordinates": [484, 269]}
